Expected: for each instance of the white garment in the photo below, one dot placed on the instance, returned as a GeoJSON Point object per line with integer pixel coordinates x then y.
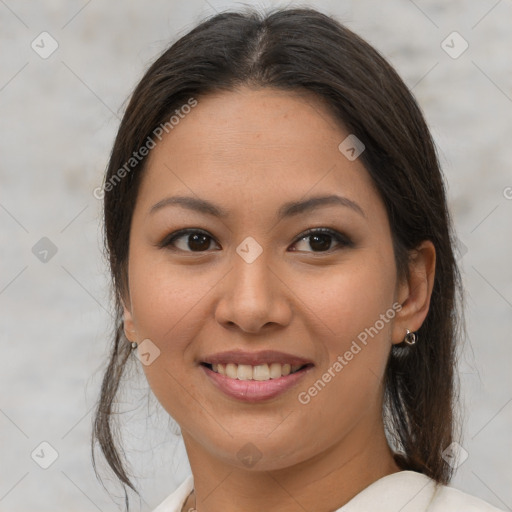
{"type": "Point", "coordinates": [406, 491]}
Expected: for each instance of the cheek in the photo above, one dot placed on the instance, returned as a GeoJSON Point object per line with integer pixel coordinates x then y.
{"type": "Point", "coordinates": [355, 305]}
{"type": "Point", "coordinates": [168, 306]}
{"type": "Point", "coordinates": [350, 297]}
{"type": "Point", "coordinates": [167, 299]}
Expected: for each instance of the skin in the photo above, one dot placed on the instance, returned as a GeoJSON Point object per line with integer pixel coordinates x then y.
{"type": "Point", "coordinates": [249, 151]}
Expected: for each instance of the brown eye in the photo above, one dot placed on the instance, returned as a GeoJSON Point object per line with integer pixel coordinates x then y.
{"type": "Point", "coordinates": [191, 240]}
{"type": "Point", "coordinates": [320, 240]}
{"type": "Point", "coordinates": [198, 242]}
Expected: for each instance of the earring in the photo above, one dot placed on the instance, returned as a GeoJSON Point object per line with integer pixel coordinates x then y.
{"type": "Point", "coordinates": [133, 343]}
{"type": "Point", "coordinates": [410, 337]}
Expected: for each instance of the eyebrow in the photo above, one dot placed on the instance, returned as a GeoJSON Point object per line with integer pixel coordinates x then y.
{"type": "Point", "coordinates": [289, 209]}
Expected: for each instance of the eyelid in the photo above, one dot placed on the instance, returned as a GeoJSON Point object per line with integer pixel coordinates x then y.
{"type": "Point", "coordinates": [341, 238]}
{"type": "Point", "coordinates": [166, 242]}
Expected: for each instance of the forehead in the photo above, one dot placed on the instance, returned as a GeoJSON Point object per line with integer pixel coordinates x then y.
{"type": "Point", "coordinates": [254, 145]}
{"type": "Point", "coordinates": [255, 121]}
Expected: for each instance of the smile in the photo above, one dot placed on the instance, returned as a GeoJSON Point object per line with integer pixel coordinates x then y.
{"type": "Point", "coordinates": [260, 372]}
{"type": "Point", "coordinates": [257, 383]}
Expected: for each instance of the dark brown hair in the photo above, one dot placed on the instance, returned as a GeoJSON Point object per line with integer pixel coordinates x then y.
{"type": "Point", "coordinates": [304, 50]}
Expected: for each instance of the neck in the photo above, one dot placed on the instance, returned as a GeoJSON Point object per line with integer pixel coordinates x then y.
{"type": "Point", "coordinates": [323, 483]}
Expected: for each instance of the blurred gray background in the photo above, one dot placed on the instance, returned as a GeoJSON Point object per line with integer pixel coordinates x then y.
{"type": "Point", "coordinates": [59, 110]}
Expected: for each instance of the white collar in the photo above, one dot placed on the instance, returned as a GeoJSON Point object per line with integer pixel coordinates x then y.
{"type": "Point", "coordinates": [406, 491]}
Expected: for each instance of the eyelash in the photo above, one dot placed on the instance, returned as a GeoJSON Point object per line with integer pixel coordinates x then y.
{"type": "Point", "coordinates": [340, 238]}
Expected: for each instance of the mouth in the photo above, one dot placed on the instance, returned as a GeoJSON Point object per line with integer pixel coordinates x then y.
{"type": "Point", "coordinates": [260, 372]}
{"type": "Point", "coordinates": [257, 382]}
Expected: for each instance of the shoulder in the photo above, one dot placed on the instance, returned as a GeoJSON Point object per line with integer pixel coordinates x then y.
{"type": "Point", "coordinates": [409, 491]}
{"type": "Point", "coordinates": [448, 499]}
{"type": "Point", "coordinates": [174, 502]}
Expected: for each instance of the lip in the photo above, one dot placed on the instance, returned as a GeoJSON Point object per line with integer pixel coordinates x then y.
{"type": "Point", "coordinates": [254, 390]}
{"type": "Point", "coordinates": [255, 358]}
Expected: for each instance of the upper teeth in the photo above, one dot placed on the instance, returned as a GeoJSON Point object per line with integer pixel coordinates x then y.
{"type": "Point", "coordinates": [258, 372]}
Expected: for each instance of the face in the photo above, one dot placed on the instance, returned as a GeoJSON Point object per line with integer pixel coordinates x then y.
{"type": "Point", "coordinates": [253, 265]}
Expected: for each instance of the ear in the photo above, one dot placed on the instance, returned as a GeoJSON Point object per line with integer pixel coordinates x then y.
{"type": "Point", "coordinates": [414, 291]}
{"type": "Point", "coordinates": [128, 323]}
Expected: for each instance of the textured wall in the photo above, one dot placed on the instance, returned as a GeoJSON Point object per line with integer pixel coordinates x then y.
{"type": "Point", "coordinates": [59, 113]}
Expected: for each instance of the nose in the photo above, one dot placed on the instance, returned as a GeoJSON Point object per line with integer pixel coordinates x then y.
{"type": "Point", "coordinates": [253, 297]}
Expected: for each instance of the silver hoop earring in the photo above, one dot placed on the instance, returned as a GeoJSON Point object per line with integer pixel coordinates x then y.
{"type": "Point", "coordinates": [410, 337]}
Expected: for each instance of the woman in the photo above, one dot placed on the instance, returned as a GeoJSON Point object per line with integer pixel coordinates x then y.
{"type": "Point", "coordinates": [282, 257]}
